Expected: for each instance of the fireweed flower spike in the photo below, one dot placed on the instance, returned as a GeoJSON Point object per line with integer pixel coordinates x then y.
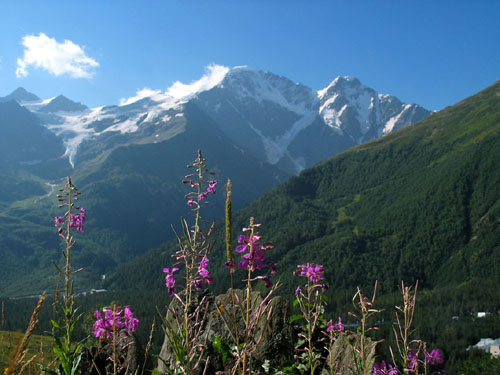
{"type": "Point", "coordinates": [314, 272]}
{"type": "Point", "coordinates": [211, 186]}
{"type": "Point", "coordinates": [193, 254]}
{"type": "Point", "coordinates": [335, 327]}
{"type": "Point", "coordinates": [113, 321]}
{"type": "Point", "coordinates": [434, 357]}
{"type": "Point", "coordinates": [384, 369]}
{"type": "Point", "coordinates": [254, 253]}
{"type": "Point", "coordinates": [252, 259]}
{"type": "Point", "coordinates": [309, 298]}
{"type": "Point", "coordinates": [114, 328]}
{"type": "Point", "coordinates": [72, 220]}
{"type": "Point", "coordinates": [203, 272]}
{"type": "Point", "coordinates": [170, 280]}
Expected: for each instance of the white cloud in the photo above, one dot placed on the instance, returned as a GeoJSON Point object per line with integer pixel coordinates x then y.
{"type": "Point", "coordinates": [57, 58]}
{"type": "Point", "coordinates": [179, 91]}
{"type": "Point", "coordinates": [141, 94]}
{"type": "Point", "coordinates": [214, 74]}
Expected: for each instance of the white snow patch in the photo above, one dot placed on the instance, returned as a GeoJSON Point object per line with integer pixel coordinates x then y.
{"type": "Point", "coordinates": [360, 98]}
{"type": "Point", "coordinates": [127, 126]}
{"type": "Point", "coordinates": [276, 148]}
{"type": "Point", "coordinates": [35, 105]}
{"type": "Point", "coordinates": [281, 143]}
{"type": "Point", "coordinates": [362, 104]}
{"type": "Point", "coordinates": [74, 129]}
{"type": "Point", "coordinates": [72, 144]}
{"type": "Point", "coordinates": [372, 103]}
{"type": "Point", "coordinates": [321, 93]}
{"type": "Point", "coordinates": [163, 101]}
{"type": "Point", "coordinates": [331, 117]}
{"type": "Point", "coordinates": [329, 101]}
{"type": "Point", "coordinates": [389, 125]}
{"type": "Point", "coordinates": [261, 89]}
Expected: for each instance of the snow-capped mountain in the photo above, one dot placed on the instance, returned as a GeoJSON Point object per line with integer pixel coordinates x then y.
{"type": "Point", "coordinates": [254, 127]}
{"type": "Point", "coordinates": [350, 108]}
{"type": "Point", "coordinates": [292, 125]}
{"type": "Point", "coordinates": [62, 104]}
{"type": "Point", "coordinates": [272, 118]}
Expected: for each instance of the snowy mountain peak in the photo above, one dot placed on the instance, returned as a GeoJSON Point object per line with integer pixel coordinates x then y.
{"type": "Point", "coordinates": [246, 83]}
{"type": "Point", "coordinates": [62, 104]}
{"type": "Point", "coordinates": [266, 115]}
{"type": "Point", "coordinates": [20, 95]}
{"type": "Point", "coordinates": [349, 107]}
{"type": "Point", "coordinates": [342, 83]}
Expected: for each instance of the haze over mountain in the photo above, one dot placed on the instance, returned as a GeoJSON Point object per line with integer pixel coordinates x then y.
{"type": "Point", "coordinates": [254, 127]}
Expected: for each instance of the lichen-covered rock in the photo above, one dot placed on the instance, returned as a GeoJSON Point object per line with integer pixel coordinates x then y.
{"type": "Point", "coordinates": [96, 361]}
{"type": "Point", "coordinates": [224, 322]}
{"type": "Point", "coordinates": [344, 355]}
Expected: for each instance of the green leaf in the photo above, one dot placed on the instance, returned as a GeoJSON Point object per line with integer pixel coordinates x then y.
{"type": "Point", "coordinates": [293, 318]}
{"type": "Point", "coordinates": [56, 325]}
{"type": "Point", "coordinates": [217, 344]}
{"type": "Point", "coordinates": [76, 364]}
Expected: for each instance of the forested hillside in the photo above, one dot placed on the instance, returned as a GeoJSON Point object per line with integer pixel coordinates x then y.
{"type": "Point", "coordinates": [421, 204]}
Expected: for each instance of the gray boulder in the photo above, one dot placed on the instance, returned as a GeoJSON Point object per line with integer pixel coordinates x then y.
{"type": "Point", "coordinates": [222, 320]}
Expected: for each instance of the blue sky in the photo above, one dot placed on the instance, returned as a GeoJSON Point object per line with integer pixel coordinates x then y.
{"type": "Point", "coordinates": [433, 53]}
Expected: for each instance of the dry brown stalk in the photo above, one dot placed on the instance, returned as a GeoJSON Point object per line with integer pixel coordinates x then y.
{"type": "Point", "coordinates": [148, 346]}
{"type": "Point", "coordinates": [17, 364]}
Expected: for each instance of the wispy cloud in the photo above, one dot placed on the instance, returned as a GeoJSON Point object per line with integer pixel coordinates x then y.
{"type": "Point", "coordinates": [141, 94]}
{"type": "Point", "coordinates": [214, 74]}
{"type": "Point", "coordinates": [57, 58]}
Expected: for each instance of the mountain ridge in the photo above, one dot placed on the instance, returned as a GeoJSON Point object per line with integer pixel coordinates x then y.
{"type": "Point", "coordinates": [269, 111]}
{"type": "Point", "coordinates": [127, 160]}
{"type": "Point", "coordinates": [419, 204]}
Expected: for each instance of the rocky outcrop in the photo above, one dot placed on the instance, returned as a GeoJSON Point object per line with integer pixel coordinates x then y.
{"type": "Point", "coordinates": [224, 323]}
{"type": "Point", "coordinates": [344, 356]}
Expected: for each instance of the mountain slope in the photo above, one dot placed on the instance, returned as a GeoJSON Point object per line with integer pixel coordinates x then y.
{"type": "Point", "coordinates": [422, 203]}
{"type": "Point", "coordinates": [295, 127]}
{"type": "Point", "coordinates": [132, 195]}
{"type": "Point", "coordinates": [20, 95]}
{"type": "Point", "coordinates": [419, 204]}
{"type": "Point", "coordinates": [25, 144]}
{"type": "Point", "coordinates": [61, 103]}
{"type": "Point", "coordinates": [255, 127]}
{"type": "Point", "coordinates": [154, 171]}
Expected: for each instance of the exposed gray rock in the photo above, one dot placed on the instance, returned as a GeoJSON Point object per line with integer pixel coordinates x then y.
{"type": "Point", "coordinates": [96, 361]}
{"type": "Point", "coordinates": [225, 322]}
{"type": "Point", "coordinates": [343, 357]}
